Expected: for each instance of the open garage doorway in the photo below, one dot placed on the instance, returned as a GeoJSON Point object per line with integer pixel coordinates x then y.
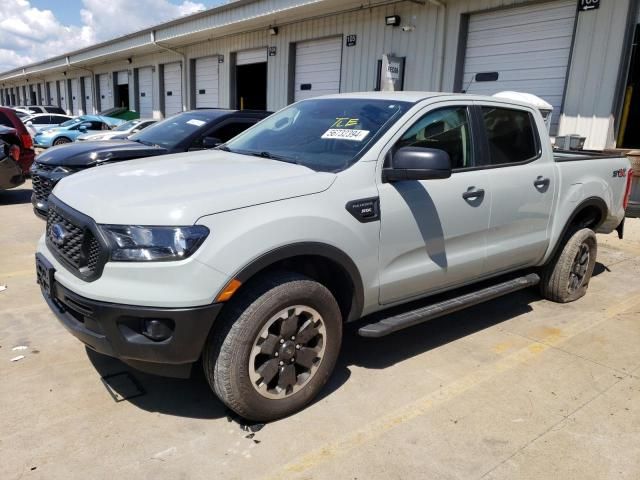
{"type": "Point", "coordinates": [251, 79]}
{"type": "Point", "coordinates": [121, 89]}
{"type": "Point", "coordinates": [629, 132]}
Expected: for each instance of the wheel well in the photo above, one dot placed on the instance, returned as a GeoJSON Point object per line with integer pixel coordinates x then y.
{"type": "Point", "coordinates": [323, 270]}
{"type": "Point", "coordinates": [590, 216]}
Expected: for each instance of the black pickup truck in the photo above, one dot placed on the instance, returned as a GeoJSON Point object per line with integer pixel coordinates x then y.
{"type": "Point", "coordinates": [192, 130]}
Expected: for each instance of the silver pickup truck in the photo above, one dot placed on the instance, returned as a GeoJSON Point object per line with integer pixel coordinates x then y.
{"type": "Point", "coordinates": [251, 257]}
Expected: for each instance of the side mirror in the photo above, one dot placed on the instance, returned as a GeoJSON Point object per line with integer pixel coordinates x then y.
{"type": "Point", "coordinates": [411, 163]}
{"type": "Point", "coordinates": [135, 130]}
{"type": "Point", "coordinates": [211, 142]}
{"type": "Point", "coordinates": [82, 128]}
{"type": "Point", "coordinates": [30, 123]}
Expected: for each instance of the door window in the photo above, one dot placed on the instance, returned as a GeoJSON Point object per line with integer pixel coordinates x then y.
{"type": "Point", "coordinates": [444, 129]}
{"type": "Point", "coordinates": [511, 135]}
{"type": "Point", "coordinates": [230, 130]}
{"type": "Point", "coordinates": [223, 133]}
{"type": "Point", "coordinates": [44, 120]}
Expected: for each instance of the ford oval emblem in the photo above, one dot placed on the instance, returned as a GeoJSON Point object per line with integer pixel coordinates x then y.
{"type": "Point", "coordinates": [59, 234]}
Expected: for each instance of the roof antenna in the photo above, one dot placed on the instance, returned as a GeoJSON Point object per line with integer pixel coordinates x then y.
{"type": "Point", "coordinates": [482, 77]}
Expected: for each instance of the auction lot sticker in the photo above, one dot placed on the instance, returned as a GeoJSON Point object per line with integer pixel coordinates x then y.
{"type": "Point", "coordinates": [345, 134]}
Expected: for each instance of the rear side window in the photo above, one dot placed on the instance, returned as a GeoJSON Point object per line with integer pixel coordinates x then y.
{"type": "Point", "coordinates": [511, 135]}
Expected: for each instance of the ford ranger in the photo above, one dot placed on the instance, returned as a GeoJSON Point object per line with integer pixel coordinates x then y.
{"type": "Point", "coordinates": [251, 257]}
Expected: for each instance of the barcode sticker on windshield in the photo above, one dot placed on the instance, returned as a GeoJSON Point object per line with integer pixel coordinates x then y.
{"type": "Point", "coordinates": [345, 134]}
{"type": "Point", "coordinates": [196, 122]}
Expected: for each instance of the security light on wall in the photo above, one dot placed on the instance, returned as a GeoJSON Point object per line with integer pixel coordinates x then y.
{"type": "Point", "coordinates": [392, 21]}
{"type": "Point", "coordinates": [273, 31]}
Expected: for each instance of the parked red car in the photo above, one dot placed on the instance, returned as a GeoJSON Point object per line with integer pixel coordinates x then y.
{"type": "Point", "coordinates": [11, 174]}
{"type": "Point", "coordinates": [8, 118]}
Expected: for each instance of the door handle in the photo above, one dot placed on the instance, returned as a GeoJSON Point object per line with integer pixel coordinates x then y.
{"type": "Point", "coordinates": [473, 193]}
{"type": "Point", "coordinates": [541, 182]}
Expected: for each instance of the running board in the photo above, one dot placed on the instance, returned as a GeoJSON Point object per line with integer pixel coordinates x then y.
{"type": "Point", "coordinates": [423, 314]}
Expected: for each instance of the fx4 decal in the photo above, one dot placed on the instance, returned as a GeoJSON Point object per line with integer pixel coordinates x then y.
{"type": "Point", "coordinates": [620, 173]}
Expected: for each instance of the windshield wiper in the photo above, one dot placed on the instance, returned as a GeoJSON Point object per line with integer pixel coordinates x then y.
{"type": "Point", "coordinates": [224, 148]}
{"type": "Point", "coordinates": [272, 156]}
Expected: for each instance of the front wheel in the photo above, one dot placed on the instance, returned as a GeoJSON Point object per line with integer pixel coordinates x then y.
{"type": "Point", "coordinates": [566, 277]}
{"type": "Point", "coordinates": [61, 141]}
{"type": "Point", "coordinates": [274, 347]}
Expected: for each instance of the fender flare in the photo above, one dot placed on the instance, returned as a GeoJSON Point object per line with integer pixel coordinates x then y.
{"type": "Point", "coordinates": [588, 202]}
{"type": "Point", "coordinates": [317, 249]}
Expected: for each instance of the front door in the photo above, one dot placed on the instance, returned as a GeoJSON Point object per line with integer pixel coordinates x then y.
{"type": "Point", "coordinates": [433, 232]}
{"type": "Point", "coordinates": [523, 184]}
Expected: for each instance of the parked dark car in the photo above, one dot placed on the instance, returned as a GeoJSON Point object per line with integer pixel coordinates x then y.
{"type": "Point", "coordinates": [11, 173]}
{"type": "Point", "coordinates": [192, 130]}
{"type": "Point", "coordinates": [8, 118]}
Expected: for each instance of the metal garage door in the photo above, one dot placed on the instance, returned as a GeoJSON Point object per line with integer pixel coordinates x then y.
{"type": "Point", "coordinates": [123, 78]}
{"type": "Point", "coordinates": [145, 92]}
{"type": "Point", "coordinates": [106, 93]}
{"type": "Point", "coordinates": [88, 96]}
{"type": "Point", "coordinates": [64, 95]}
{"type": "Point", "coordinates": [75, 96]}
{"type": "Point", "coordinates": [318, 67]}
{"type": "Point", "coordinates": [247, 57]}
{"type": "Point", "coordinates": [206, 82]}
{"type": "Point", "coordinates": [52, 93]}
{"type": "Point", "coordinates": [529, 47]}
{"type": "Point", "coordinates": [172, 88]}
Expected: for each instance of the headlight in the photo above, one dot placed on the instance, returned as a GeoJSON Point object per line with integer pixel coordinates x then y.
{"type": "Point", "coordinates": [153, 244]}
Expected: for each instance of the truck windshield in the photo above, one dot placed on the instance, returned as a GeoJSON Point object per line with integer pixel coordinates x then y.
{"type": "Point", "coordinates": [327, 134]}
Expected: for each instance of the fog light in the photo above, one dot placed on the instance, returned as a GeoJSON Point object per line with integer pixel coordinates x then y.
{"type": "Point", "coordinates": [157, 330]}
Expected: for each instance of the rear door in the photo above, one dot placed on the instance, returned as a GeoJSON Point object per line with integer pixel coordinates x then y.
{"type": "Point", "coordinates": [523, 184]}
{"type": "Point", "coordinates": [433, 232]}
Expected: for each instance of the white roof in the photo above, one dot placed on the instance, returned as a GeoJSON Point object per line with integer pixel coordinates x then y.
{"type": "Point", "coordinates": [529, 98]}
{"type": "Point", "coordinates": [415, 97]}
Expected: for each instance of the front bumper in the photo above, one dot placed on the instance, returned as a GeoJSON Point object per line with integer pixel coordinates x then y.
{"type": "Point", "coordinates": [116, 330]}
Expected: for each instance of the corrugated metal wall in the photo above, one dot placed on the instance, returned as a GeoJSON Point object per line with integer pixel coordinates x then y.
{"type": "Point", "coordinates": [432, 59]}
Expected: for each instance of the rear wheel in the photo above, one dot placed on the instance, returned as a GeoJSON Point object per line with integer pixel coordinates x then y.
{"type": "Point", "coordinates": [566, 278]}
{"type": "Point", "coordinates": [61, 141]}
{"type": "Point", "coordinates": [274, 347]}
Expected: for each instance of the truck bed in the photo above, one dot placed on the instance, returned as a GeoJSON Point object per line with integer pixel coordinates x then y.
{"type": "Point", "coordinates": [574, 155]}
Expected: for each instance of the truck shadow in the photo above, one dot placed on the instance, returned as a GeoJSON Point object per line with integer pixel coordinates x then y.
{"type": "Point", "coordinates": [193, 398]}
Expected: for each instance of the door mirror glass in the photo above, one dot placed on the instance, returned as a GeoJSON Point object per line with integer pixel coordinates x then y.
{"type": "Point", "coordinates": [210, 142]}
{"type": "Point", "coordinates": [414, 163]}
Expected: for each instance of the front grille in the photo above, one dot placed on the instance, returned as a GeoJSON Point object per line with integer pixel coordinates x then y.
{"type": "Point", "coordinates": [41, 187]}
{"type": "Point", "coordinates": [74, 243]}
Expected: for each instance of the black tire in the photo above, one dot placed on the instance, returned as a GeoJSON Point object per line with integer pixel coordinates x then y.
{"type": "Point", "coordinates": [61, 141]}
{"type": "Point", "coordinates": [566, 278]}
{"type": "Point", "coordinates": [227, 355]}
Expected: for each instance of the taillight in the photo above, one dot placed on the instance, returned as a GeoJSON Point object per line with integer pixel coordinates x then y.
{"type": "Point", "coordinates": [627, 191]}
{"type": "Point", "coordinates": [27, 141]}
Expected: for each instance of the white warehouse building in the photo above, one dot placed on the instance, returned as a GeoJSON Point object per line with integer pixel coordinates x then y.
{"type": "Point", "coordinates": [578, 55]}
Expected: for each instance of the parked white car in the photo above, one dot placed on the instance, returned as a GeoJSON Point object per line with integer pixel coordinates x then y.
{"type": "Point", "coordinates": [42, 121]}
{"type": "Point", "coordinates": [118, 133]}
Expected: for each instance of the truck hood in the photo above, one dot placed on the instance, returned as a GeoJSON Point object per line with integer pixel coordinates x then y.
{"type": "Point", "coordinates": [180, 188]}
{"type": "Point", "coordinates": [87, 154]}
